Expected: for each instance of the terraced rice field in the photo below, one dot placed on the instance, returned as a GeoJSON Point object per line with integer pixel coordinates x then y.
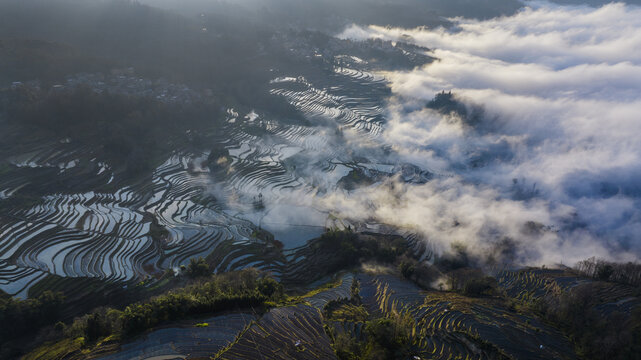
{"type": "Point", "coordinates": [341, 292]}
{"type": "Point", "coordinates": [67, 213]}
{"type": "Point", "coordinates": [186, 342]}
{"type": "Point", "coordinates": [447, 325]}
{"type": "Point", "coordinates": [532, 284]}
{"type": "Point", "coordinates": [359, 113]}
{"type": "Point", "coordinates": [108, 234]}
{"type": "Point", "coordinates": [294, 332]}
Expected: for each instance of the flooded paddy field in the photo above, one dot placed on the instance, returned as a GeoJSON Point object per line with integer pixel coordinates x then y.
{"type": "Point", "coordinates": [68, 213]}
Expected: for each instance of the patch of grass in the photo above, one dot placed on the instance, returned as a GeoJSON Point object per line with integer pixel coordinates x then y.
{"type": "Point", "coordinates": [457, 302]}
{"type": "Point", "coordinates": [288, 300]}
{"type": "Point", "coordinates": [160, 284]}
{"type": "Point", "coordinates": [71, 348]}
{"type": "Point", "coordinates": [56, 350]}
{"type": "Point", "coordinates": [327, 286]}
{"type": "Point", "coordinates": [346, 312]}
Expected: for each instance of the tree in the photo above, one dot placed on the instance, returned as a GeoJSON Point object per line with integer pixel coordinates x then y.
{"type": "Point", "coordinates": [407, 268]}
{"type": "Point", "coordinates": [198, 268]}
{"type": "Point", "coordinates": [95, 327]}
{"type": "Point", "coordinates": [479, 286]}
{"type": "Point", "coordinates": [269, 287]}
{"type": "Point", "coordinates": [604, 272]}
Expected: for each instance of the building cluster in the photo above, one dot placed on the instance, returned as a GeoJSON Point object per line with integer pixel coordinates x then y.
{"type": "Point", "coordinates": [126, 82]}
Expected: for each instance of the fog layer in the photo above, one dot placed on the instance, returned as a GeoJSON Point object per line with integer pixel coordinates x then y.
{"type": "Point", "coordinates": [543, 165]}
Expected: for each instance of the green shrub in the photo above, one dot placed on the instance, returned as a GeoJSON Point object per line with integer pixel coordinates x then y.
{"type": "Point", "coordinates": [407, 268]}
{"type": "Point", "coordinates": [27, 316]}
{"type": "Point", "coordinates": [349, 249]}
{"type": "Point", "coordinates": [60, 327]}
{"type": "Point", "coordinates": [198, 268]}
{"type": "Point", "coordinates": [229, 291]}
{"type": "Point", "coordinates": [479, 286]}
{"type": "Point", "coordinates": [346, 347]}
{"type": "Point", "coordinates": [389, 338]}
{"type": "Point", "coordinates": [270, 287]}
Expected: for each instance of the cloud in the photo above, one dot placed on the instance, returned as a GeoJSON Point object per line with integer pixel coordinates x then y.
{"type": "Point", "coordinates": [542, 33]}
{"type": "Point", "coordinates": [557, 143]}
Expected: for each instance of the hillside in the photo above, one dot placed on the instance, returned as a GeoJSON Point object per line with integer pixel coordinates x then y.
{"type": "Point", "coordinates": [371, 309]}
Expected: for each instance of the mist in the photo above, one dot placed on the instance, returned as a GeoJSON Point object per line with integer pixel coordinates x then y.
{"type": "Point", "coordinates": [509, 132]}
{"type": "Point", "coordinates": [320, 179]}
{"type": "Point", "coordinates": [556, 96]}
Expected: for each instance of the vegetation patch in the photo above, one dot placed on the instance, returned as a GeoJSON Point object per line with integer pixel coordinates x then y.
{"type": "Point", "coordinates": [27, 316]}
{"type": "Point", "coordinates": [218, 293]}
{"type": "Point", "coordinates": [128, 132]}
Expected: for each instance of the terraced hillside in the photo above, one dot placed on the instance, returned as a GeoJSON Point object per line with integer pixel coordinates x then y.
{"type": "Point", "coordinates": [342, 291]}
{"type": "Point", "coordinates": [68, 212]}
{"type": "Point", "coordinates": [371, 313]}
{"type": "Point", "coordinates": [202, 341]}
{"type": "Point", "coordinates": [441, 325]}
{"type": "Point", "coordinates": [294, 332]}
{"type": "Point", "coordinates": [449, 326]}
{"type": "Point", "coordinates": [547, 284]}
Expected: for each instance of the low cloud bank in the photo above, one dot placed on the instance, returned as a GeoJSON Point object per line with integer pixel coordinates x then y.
{"type": "Point", "coordinates": [544, 166]}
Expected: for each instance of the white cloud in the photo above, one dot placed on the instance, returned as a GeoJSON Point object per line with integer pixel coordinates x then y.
{"type": "Point", "coordinates": [560, 87]}
{"type": "Point", "coordinates": [552, 35]}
